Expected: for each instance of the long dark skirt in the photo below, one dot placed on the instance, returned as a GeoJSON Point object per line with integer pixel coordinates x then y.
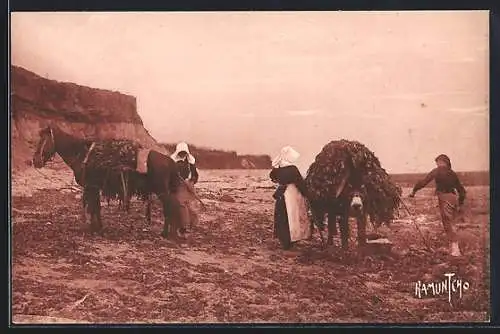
{"type": "Point", "coordinates": [281, 228]}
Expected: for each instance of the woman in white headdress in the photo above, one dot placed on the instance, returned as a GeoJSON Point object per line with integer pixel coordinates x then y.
{"type": "Point", "coordinates": [187, 169]}
{"type": "Point", "coordinates": [291, 222]}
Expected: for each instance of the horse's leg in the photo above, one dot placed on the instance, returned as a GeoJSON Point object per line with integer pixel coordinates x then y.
{"type": "Point", "coordinates": [332, 226]}
{"type": "Point", "coordinates": [166, 209]}
{"type": "Point", "coordinates": [170, 211]}
{"type": "Point", "coordinates": [90, 199]}
{"type": "Point", "coordinates": [125, 191]}
{"type": "Point", "coordinates": [119, 196]}
{"type": "Point", "coordinates": [94, 206]}
{"type": "Point", "coordinates": [129, 192]}
{"type": "Point", "coordinates": [314, 223]}
{"type": "Point", "coordinates": [84, 203]}
{"type": "Point", "coordinates": [361, 223]}
{"type": "Point", "coordinates": [176, 216]}
{"type": "Point", "coordinates": [344, 230]}
{"type": "Point", "coordinates": [335, 221]}
{"type": "Point", "coordinates": [98, 211]}
{"type": "Point", "coordinates": [148, 200]}
{"type": "Point", "coordinates": [375, 224]}
{"type": "Point", "coordinates": [311, 228]}
{"type": "Point", "coordinates": [317, 220]}
{"type": "Point", "coordinates": [84, 214]}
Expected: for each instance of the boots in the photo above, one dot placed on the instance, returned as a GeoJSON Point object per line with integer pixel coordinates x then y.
{"type": "Point", "coordinates": [454, 249]}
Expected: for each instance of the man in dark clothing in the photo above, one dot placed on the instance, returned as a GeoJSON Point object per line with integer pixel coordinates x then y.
{"type": "Point", "coordinates": [186, 164]}
{"type": "Point", "coordinates": [451, 196]}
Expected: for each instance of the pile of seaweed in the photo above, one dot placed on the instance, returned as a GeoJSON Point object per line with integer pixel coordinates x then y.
{"type": "Point", "coordinates": [344, 157]}
{"type": "Point", "coordinates": [114, 154]}
{"type": "Point", "coordinates": [112, 163]}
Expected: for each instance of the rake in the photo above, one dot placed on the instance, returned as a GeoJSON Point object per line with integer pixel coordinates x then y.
{"type": "Point", "coordinates": [427, 246]}
{"type": "Point", "coordinates": [193, 193]}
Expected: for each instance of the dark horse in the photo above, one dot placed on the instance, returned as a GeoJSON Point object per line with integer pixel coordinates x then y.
{"type": "Point", "coordinates": [349, 202]}
{"type": "Point", "coordinates": [161, 177]}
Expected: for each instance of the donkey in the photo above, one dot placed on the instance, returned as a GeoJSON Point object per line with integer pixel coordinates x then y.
{"type": "Point", "coordinates": [161, 176]}
{"type": "Point", "coordinates": [350, 201]}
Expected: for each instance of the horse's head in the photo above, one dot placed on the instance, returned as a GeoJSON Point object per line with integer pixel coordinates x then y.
{"type": "Point", "coordinates": [352, 192]}
{"type": "Point", "coordinates": [46, 147]}
{"type": "Point", "coordinates": [357, 199]}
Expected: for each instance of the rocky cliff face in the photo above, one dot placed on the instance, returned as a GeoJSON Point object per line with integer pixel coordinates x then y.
{"type": "Point", "coordinates": [85, 112]}
{"type": "Point", "coordinates": [79, 110]}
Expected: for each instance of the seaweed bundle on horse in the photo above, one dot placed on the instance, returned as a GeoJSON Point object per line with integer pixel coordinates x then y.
{"type": "Point", "coordinates": [116, 161]}
{"type": "Point", "coordinates": [111, 166]}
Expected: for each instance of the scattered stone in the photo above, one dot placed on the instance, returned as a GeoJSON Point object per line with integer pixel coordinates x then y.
{"type": "Point", "coordinates": [227, 198]}
{"type": "Point", "coordinates": [253, 284]}
{"type": "Point", "coordinates": [379, 246]}
{"type": "Point", "coordinates": [273, 257]}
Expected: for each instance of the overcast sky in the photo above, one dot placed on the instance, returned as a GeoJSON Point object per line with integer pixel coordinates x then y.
{"type": "Point", "coordinates": [409, 85]}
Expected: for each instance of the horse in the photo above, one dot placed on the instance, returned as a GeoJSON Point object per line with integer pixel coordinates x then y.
{"type": "Point", "coordinates": [161, 176]}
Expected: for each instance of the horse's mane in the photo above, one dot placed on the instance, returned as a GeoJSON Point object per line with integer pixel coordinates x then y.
{"type": "Point", "coordinates": [58, 130]}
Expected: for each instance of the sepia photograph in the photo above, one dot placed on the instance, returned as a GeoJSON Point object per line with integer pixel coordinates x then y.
{"type": "Point", "coordinates": [251, 167]}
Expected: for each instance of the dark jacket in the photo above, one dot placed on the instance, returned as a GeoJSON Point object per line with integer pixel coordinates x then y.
{"type": "Point", "coordinates": [187, 170]}
{"type": "Point", "coordinates": [287, 175]}
{"type": "Point", "coordinates": [446, 181]}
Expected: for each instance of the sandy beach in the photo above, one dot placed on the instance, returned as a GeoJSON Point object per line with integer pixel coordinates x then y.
{"type": "Point", "coordinates": [230, 269]}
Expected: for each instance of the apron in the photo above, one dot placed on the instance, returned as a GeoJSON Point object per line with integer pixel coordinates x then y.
{"type": "Point", "coordinates": [296, 208]}
{"type": "Point", "coordinates": [189, 217]}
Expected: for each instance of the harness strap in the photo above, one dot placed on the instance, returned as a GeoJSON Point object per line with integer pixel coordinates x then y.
{"type": "Point", "coordinates": [84, 162]}
{"type": "Point", "coordinates": [52, 137]}
{"type": "Point", "coordinates": [88, 153]}
{"type": "Point", "coordinates": [125, 188]}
